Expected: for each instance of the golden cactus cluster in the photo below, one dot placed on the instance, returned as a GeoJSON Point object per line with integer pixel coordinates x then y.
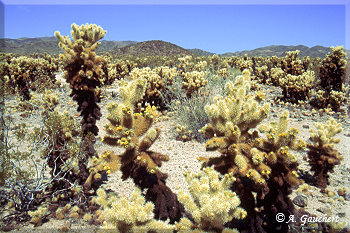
{"type": "Point", "coordinates": [84, 70]}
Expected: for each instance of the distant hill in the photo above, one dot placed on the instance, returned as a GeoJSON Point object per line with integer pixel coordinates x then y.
{"type": "Point", "coordinates": [151, 48]}
{"type": "Point", "coordinates": [200, 52]}
{"type": "Point", "coordinates": [24, 46]}
{"type": "Point", "coordinates": [280, 51]}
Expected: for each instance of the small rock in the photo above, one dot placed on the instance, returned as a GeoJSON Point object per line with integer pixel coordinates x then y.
{"type": "Point", "coordinates": [325, 210]}
{"type": "Point", "coordinates": [306, 126]}
{"type": "Point", "coordinates": [347, 196]}
{"type": "Point", "coordinates": [341, 215]}
{"type": "Point", "coordinates": [300, 200]}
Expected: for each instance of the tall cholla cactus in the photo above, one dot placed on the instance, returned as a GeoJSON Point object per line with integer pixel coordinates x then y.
{"type": "Point", "coordinates": [135, 133]}
{"type": "Point", "coordinates": [322, 155]}
{"type": "Point", "coordinates": [333, 69]}
{"type": "Point", "coordinates": [264, 169]}
{"type": "Point", "coordinates": [332, 75]}
{"type": "Point", "coordinates": [85, 72]}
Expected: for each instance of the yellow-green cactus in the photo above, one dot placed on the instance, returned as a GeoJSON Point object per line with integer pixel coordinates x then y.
{"type": "Point", "coordinates": [129, 215]}
{"type": "Point", "coordinates": [291, 64]}
{"type": "Point", "coordinates": [297, 87]}
{"type": "Point", "coordinates": [134, 132]}
{"type": "Point", "coordinates": [38, 215]}
{"type": "Point", "coordinates": [333, 69]}
{"type": "Point", "coordinates": [193, 81]}
{"type": "Point", "coordinates": [262, 74]}
{"type": "Point", "coordinates": [157, 81]}
{"type": "Point", "coordinates": [239, 109]}
{"type": "Point", "coordinates": [262, 166]}
{"type": "Point", "coordinates": [322, 154]}
{"type": "Point", "coordinates": [183, 134]}
{"type": "Point", "coordinates": [276, 74]}
{"type": "Point", "coordinates": [85, 42]}
{"type": "Point", "coordinates": [332, 75]}
{"type": "Point", "coordinates": [211, 202]}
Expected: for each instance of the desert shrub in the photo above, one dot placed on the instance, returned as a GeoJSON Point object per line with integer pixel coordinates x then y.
{"type": "Point", "coordinates": [29, 177]}
{"type": "Point", "coordinates": [11, 155]}
{"type": "Point", "coordinates": [189, 111]}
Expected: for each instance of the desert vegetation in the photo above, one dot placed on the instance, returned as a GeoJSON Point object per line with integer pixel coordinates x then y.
{"type": "Point", "coordinates": [76, 124]}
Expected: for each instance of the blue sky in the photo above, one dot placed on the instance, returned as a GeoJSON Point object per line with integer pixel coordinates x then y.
{"type": "Point", "coordinates": [227, 26]}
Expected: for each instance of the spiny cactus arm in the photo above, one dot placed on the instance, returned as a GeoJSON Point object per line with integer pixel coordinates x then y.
{"type": "Point", "coordinates": [84, 70]}
{"type": "Point", "coordinates": [131, 214]}
{"type": "Point", "coordinates": [107, 162]}
{"type": "Point", "coordinates": [132, 92]}
{"type": "Point", "coordinates": [210, 201]}
{"type": "Point", "coordinates": [239, 108]}
{"type": "Point", "coordinates": [279, 136]}
{"type": "Point", "coordinates": [325, 133]}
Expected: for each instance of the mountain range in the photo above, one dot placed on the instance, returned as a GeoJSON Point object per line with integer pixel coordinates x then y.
{"type": "Point", "coordinates": [24, 46]}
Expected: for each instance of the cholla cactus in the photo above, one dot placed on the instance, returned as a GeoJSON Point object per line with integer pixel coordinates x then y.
{"type": "Point", "coordinates": [202, 65]}
{"type": "Point", "coordinates": [211, 202]}
{"type": "Point", "coordinates": [119, 69]}
{"type": "Point", "coordinates": [223, 72]}
{"type": "Point", "coordinates": [166, 73]}
{"type": "Point", "coordinates": [239, 109]}
{"type": "Point", "coordinates": [297, 87]}
{"type": "Point", "coordinates": [85, 72]}
{"type": "Point", "coordinates": [134, 132]}
{"type": "Point", "coordinates": [186, 65]}
{"type": "Point", "coordinates": [183, 134]}
{"type": "Point", "coordinates": [332, 75]}
{"type": "Point", "coordinates": [332, 70]}
{"type": "Point", "coordinates": [193, 81]}
{"type": "Point", "coordinates": [129, 215]}
{"type": "Point", "coordinates": [276, 74]}
{"type": "Point", "coordinates": [39, 215]}
{"type": "Point", "coordinates": [322, 154]}
{"type": "Point", "coordinates": [261, 166]}
{"type": "Point", "coordinates": [262, 73]}
{"type": "Point", "coordinates": [291, 64]}
{"type": "Point", "coordinates": [157, 81]}
{"type": "Point", "coordinates": [22, 72]}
